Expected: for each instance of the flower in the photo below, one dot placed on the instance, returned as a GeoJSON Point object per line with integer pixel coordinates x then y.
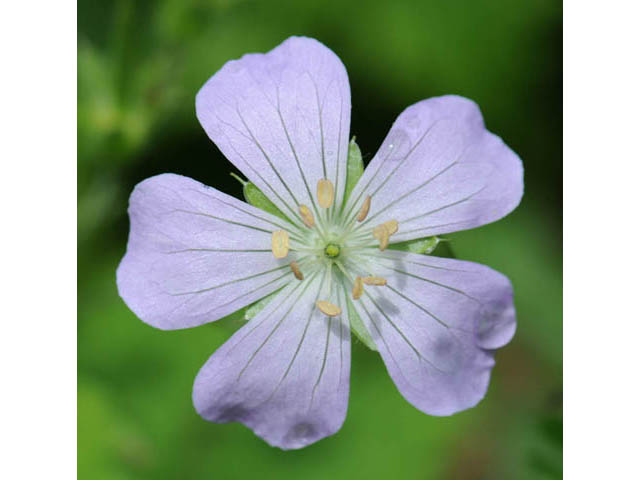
{"type": "Point", "coordinates": [195, 254]}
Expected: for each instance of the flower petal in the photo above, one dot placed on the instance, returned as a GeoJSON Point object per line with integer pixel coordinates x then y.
{"type": "Point", "coordinates": [436, 324]}
{"type": "Point", "coordinates": [195, 254]}
{"type": "Point", "coordinates": [285, 374]}
{"type": "Point", "coordinates": [439, 171]}
{"type": "Point", "coordinates": [283, 119]}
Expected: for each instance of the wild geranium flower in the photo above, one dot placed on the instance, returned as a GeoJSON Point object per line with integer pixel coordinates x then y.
{"type": "Point", "coordinates": [331, 251]}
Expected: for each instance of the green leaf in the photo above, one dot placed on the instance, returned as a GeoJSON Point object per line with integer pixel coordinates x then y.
{"type": "Point", "coordinates": [358, 328]}
{"type": "Point", "coordinates": [422, 246]}
{"type": "Point", "coordinates": [256, 308]}
{"type": "Point", "coordinates": [355, 167]}
{"type": "Point", "coordinates": [254, 196]}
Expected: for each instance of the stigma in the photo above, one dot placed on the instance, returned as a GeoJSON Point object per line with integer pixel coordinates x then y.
{"type": "Point", "coordinates": [332, 250]}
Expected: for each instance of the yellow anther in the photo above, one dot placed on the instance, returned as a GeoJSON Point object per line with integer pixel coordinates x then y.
{"type": "Point", "coordinates": [296, 271]}
{"type": "Point", "coordinates": [377, 281]}
{"type": "Point", "coordinates": [358, 288]}
{"type": "Point", "coordinates": [325, 193]}
{"type": "Point", "coordinates": [364, 210]}
{"type": "Point", "coordinates": [391, 226]}
{"type": "Point", "coordinates": [280, 243]}
{"type": "Point", "coordinates": [307, 216]}
{"type": "Point", "coordinates": [328, 308]}
{"type": "Point", "coordinates": [383, 231]}
{"type": "Point", "coordinates": [381, 234]}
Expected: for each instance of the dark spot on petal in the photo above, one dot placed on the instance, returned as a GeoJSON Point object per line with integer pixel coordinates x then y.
{"type": "Point", "coordinates": [492, 316]}
{"type": "Point", "coordinates": [302, 432]}
{"type": "Point", "coordinates": [232, 413]}
{"type": "Point", "coordinates": [443, 345]}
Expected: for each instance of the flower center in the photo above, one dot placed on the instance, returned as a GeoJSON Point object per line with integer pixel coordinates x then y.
{"type": "Point", "coordinates": [341, 243]}
{"type": "Point", "coordinates": [332, 250]}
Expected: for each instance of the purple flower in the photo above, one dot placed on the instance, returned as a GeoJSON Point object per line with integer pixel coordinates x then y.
{"type": "Point", "coordinates": [196, 255]}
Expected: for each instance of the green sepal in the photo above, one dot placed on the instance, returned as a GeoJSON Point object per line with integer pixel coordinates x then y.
{"type": "Point", "coordinates": [254, 196]}
{"type": "Point", "coordinates": [422, 245]}
{"type": "Point", "coordinates": [255, 308]}
{"type": "Point", "coordinates": [358, 328]}
{"type": "Point", "coordinates": [445, 249]}
{"type": "Point", "coordinates": [355, 168]}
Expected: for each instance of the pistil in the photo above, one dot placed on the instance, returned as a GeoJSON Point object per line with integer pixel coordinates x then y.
{"type": "Point", "coordinates": [332, 250]}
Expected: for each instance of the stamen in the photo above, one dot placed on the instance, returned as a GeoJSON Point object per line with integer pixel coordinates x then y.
{"type": "Point", "coordinates": [325, 193]}
{"type": "Point", "coordinates": [307, 216]}
{"type": "Point", "coordinates": [392, 226]}
{"type": "Point", "coordinates": [280, 243]}
{"type": "Point", "coordinates": [381, 234]}
{"type": "Point", "coordinates": [383, 231]}
{"type": "Point", "coordinates": [295, 268]}
{"type": "Point", "coordinates": [358, 288]}
{"type": "Point", "coordinates": [364, 210]}
{"type": "Point", "coordinates": [377, 281]}
{"type": "Point", "coordinates": [328, 308]}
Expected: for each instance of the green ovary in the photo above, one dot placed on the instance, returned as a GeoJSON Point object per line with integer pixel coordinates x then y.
{"type": "Point", "coordinates": [332, 250]}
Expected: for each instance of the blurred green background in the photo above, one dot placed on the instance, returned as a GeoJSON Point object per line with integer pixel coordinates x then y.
{"type": "Point", "coordinates": [140, 64]}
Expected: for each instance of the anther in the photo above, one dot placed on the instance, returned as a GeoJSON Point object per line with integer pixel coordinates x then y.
{"type": "Point", "coordinates": [325, 193]}
{"type": "Point", "coordinates": [383, 231]}
{"type": "Point", "coordinates": [307, 216]}
{"type": "Point", "coordinates": [296, 271]}
{"type": "Point", "coordinates": [328, 308]}
{"type": "Point", "coordinates": [377, 281]}
{"type": "Point", "coordinates": [358, 288]}
{"type": "Point", "coordinates": [364, 210]}
{"type": "Point", "coordinates": [280, 243]}
{"type": "Point", "coordinates": [381, 234]}
{"type": "Point", "coordinates": [391, 226]}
